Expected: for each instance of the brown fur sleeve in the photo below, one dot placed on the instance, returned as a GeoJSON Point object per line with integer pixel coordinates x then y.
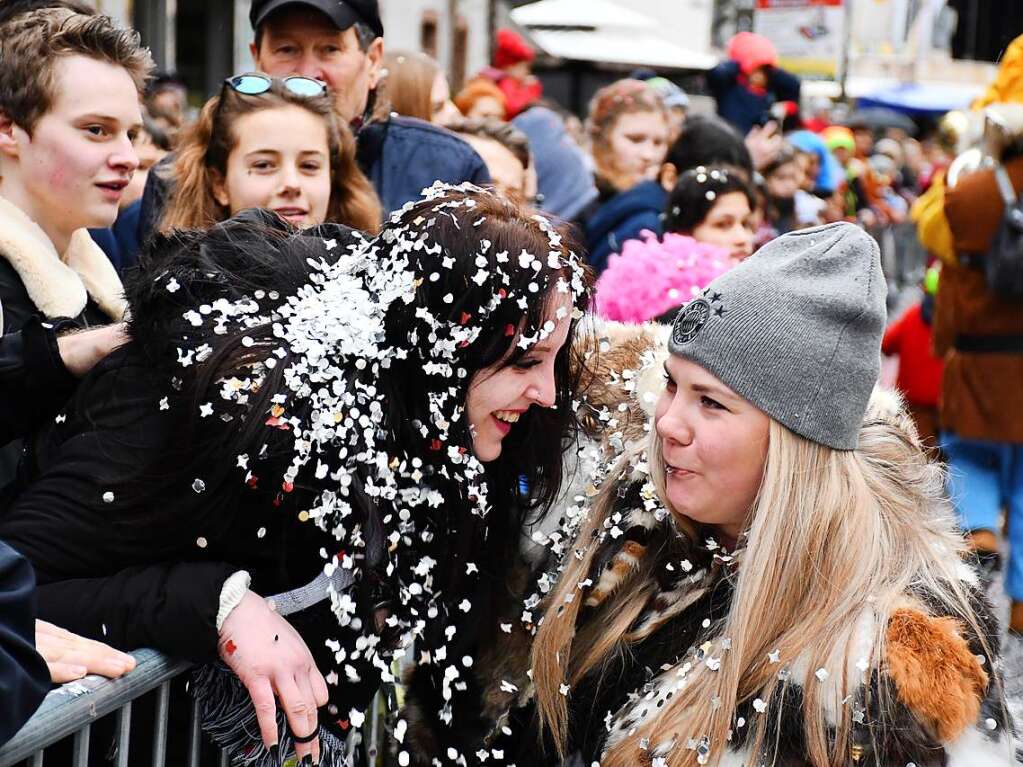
{"type": "Point", "coordinates": [936, 675]}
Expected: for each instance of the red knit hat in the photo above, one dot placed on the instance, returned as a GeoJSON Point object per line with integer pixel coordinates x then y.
{"type": "Point", "coordinates": [511, 49]}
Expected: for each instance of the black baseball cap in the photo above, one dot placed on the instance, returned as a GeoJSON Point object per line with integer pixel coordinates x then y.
{"type": "Point", "coordinates": [343, 13]}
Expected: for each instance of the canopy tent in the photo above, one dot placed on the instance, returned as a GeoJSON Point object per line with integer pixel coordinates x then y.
{"type": "Point", "coordinates": [925, 99]}
{"type": "Point", "coordinates": [604, 32]}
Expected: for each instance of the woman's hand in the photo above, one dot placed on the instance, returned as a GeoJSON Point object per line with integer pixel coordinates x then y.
{"type": "Point", "coordinates": [270, 658]}
{"type": "Point", "coordinates": [71, 657]}
{"type": "Point", "coordinates": [764, 143]}
{"type": "Point", "coordinates": [81, 350]}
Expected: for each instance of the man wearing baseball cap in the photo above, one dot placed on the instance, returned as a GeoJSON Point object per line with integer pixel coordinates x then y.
{"type": "Point", "coordinates": [340, 42]}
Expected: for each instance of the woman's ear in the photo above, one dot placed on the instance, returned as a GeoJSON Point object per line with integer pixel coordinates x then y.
{"type": "Point", "coordinates": [218, 187]}
{"type": "Point", "coordinates": [669, 176]}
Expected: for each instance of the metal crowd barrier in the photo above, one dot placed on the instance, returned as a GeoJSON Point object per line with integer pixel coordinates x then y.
{"type": "Point", "coordinates": [903, 260]}
{"type": "Point", "coordinates": [72, 709]}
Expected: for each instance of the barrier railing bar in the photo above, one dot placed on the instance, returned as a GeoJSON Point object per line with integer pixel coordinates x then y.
{"type": "Point", "coordinates": [224, 762]}
{"type": "Point", "coordinates": [123, 734]}
{"type": "Point", "coordinates": [80, 754]}
{"type": "Point", "coordinates": [67, 709]}
{"type": "Point", "coordinates": [160, 729]}
{"type": "Point", "coordinates": [37, 759]}
{"type": "Point", "coordinates": [193, 735]}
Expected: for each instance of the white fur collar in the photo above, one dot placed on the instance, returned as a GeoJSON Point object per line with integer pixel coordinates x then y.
{"type": "Point", "coordinates": [59, 286]}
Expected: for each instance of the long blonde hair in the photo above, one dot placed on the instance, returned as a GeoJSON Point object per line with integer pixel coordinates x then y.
{"type": "Point", "coordinates": [827, 529]}
{"type": "Point", "coordinates": [207, 144]}
{"type": "Point", "coordinates": [408, 85]}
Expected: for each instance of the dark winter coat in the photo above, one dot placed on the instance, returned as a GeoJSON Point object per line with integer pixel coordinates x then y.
{"type": "Point", "coordinates": [79, 284]}
{"type": "Point", "coordinates": [111, 568]}
{"type": "Point", "coordinates": [742, 106]}
{"type": "Point", "coordinates": [24, 677]}
{"type": "Point", "coordinates": [622, 217]}
{"type": "Point", "coordinates": [401, 156]}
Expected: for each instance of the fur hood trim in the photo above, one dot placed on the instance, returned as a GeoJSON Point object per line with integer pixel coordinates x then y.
{"type": "Point", "coordinates": [59, 286]}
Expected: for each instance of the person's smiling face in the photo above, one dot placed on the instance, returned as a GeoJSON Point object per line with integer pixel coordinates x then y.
{"type": "Point", "coordinates": [280, 162]}
{"type": "Point", "coordinates": [501, 394]}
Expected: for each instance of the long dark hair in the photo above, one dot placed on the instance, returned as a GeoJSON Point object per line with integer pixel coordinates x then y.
{"type": "Point", "coordinates": [482, 274]}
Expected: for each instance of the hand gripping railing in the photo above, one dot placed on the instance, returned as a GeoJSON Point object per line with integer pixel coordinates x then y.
{"type": "Point", "coordinates": [73, 708]}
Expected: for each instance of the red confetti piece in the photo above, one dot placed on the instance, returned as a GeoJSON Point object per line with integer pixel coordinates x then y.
{"type": "Point", "coordinates": [252, 481]}
{"type": "Point", "coordinates": [502, 293]}
{"type": "Point", "coordinates": [463, 345]}
{"type": "Point", "coordinates": [277, 501]}
{"type": "Point", "coordinates": [435, 445]}
{"type": "Point", "coordinates": [343, 724]}
{"type": "Point", "coordinates": [466, 317]}
{"type": "Point", "coordinates": [288, 486]}
{"type": "Point", "coordinates": [230, 647]}
{"type": "Point", "coordinates": [509, 330]}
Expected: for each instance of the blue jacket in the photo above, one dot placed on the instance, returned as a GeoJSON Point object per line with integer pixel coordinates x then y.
{"type": "Point", "coordinates": [401, 156]}
{"type": "Point", "coordinates": [738, 104]}
{"type": "Point", "coordinates": [622, 218]}
{"type": "Point", "coordinates": [24, 677]}
{"type": "Point", "coordinates": [121, 242]}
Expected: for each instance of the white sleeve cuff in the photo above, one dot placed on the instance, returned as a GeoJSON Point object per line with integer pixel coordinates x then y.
{"type": "Point", "coordinates": [231, 594]}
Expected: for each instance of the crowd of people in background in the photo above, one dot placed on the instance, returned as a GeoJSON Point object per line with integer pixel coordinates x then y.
{"type": "Point", "coordinates": [124, 198]}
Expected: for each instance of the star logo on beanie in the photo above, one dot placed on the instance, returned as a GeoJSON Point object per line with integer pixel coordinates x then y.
{"type": "Point", "coordinates": [690, 320]}
{"type": "Point", "coordinates": [695, 315]}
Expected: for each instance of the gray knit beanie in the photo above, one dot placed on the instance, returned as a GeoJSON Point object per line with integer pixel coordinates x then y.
{"type": "Point", "coordinates": [796, 330]}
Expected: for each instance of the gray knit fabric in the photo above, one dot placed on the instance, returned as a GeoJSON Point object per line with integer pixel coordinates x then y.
{"type": "Point", "coordinates": [796, 330]}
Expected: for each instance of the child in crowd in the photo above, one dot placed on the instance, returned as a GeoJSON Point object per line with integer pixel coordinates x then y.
{"type": "Point", "coordinates": [274, 144]}
{"type": "Point", "coordinates": [512, 73]}
{"type": "Point", "coordinates": [919, 376]}
{"type": "Point", "coordinates": [750, 82]}
{"type": "Point", "coordinates": [708, 229]}
{"type": "Point", "coordinates": [481, 100]}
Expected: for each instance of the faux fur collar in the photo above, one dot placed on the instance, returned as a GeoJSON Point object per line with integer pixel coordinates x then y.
{"type": "Point", "coordinates": [59, 286]}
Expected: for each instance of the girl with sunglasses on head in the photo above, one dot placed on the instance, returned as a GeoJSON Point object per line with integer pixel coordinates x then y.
{"type": "Point", "coordinates": [274, 144]}
{"type": "Point", "coordinates": [358, 428]}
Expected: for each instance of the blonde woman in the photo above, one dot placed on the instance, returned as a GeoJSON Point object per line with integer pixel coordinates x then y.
{"type": "Point", "coordinates": [775, 579]}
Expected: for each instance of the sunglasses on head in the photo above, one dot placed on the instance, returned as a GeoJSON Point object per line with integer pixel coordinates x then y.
{"type": "Point", "coordinates": [255, 84]}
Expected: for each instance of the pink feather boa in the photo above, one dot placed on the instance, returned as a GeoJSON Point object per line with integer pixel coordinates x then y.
{"type": "Point", "coordinates": [653, 275]}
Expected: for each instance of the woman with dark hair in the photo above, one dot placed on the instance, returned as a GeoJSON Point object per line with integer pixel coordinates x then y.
{"type": "Point", "coordinates": [358, 427]}
{"type": "Point", "coordinates": [705, 140]}
{"type": "Point", "coordinates": [707, 230]}
{"type": "Point", "coordinates": [713, 204]}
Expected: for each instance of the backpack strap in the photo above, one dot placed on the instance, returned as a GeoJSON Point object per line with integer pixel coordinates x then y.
{"type": "Point", "coordinates": [1005, 187]}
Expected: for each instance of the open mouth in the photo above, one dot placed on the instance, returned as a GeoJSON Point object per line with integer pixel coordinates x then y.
{"type": "Point", "coordinates": [675, 471]}
{"type": "Point", "coordinates": [113, 188]}
{"type": "Point", "coordinates": [506, 418]}
{"type": "Point", "coordinates": [291, 214]}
